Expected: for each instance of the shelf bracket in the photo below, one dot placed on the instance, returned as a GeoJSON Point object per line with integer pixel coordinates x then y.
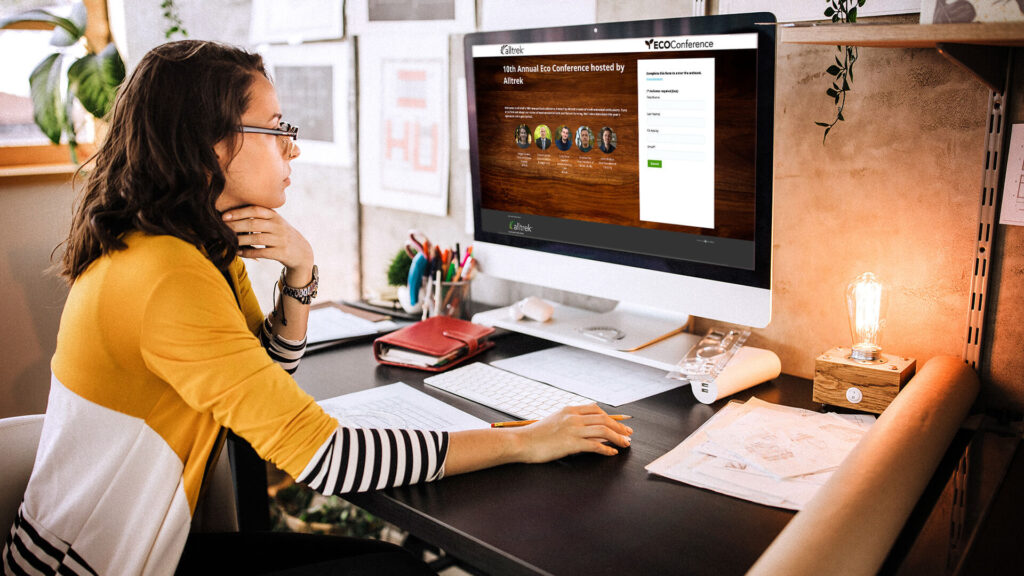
{"type": "Point", "coordinates": [991, 185]}
{"type": "Point", "coordinates": [986, 63]}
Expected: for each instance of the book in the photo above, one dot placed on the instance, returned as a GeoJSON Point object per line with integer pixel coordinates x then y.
{"type": "Point", "coordinates": [434, 344]}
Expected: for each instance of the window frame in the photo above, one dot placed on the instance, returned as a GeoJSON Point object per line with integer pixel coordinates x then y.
{"type": "Point", "coordinates": [43, 160]}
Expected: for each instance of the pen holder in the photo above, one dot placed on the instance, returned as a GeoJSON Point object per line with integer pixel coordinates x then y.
{"type": "Point", "coordinates": [452, 299]}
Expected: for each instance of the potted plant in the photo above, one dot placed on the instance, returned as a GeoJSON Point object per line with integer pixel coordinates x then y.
{"type": "Point", "coordinates": [77, 70]}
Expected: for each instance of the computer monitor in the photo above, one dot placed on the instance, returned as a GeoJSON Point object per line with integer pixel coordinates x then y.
{"type": "Point", "coordinates": [629, 161]}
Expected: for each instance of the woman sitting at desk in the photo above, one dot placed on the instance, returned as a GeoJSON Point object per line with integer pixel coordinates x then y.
{"type": "Point", "coordinates": [162, 347]}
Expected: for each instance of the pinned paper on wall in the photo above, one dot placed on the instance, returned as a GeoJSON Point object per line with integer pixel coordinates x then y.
{"type": "Point", "coordinates": [1012, 211]}
{"type": "Point", "coordinates": [410, 17]}
{"type": "Point", "coordinates": [403, 120]}
{"type": "Point", "coordinates": [314, 83]}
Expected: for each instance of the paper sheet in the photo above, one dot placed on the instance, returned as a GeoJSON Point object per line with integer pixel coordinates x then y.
{"type": "Point", "coordinates": [602, 378]}
{"type": "Point", "coordinates": [730, 454]}
{"type": "Point", "coordinates": [398, 406]}
{"type": "Point", "coordinates": [329, 323]}
{"type": "Point", "coordinates": [1012, 211]}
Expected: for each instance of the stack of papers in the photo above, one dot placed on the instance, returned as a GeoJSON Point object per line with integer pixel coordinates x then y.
{"type": "Point", "coordinates": [398, 405]}
{"type": "Point", "coordinates": [608, 380]}
{"type": "Point", "coordinates": [330, 325]}
{"type": "Point", "coordinates": [766, 453]}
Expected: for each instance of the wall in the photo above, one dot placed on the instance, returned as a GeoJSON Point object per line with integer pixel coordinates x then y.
{"type": "Point", "coordinates": [894, 190]}
{"type": "Point", "coordinates": [34, 218]}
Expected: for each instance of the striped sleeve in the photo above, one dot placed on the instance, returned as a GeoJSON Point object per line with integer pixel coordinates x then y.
{"type": "Point", "coordinates": [30, 549]}
{"type": "Point", "coordinates": [285, 352]}
{"type": "Point", "coordinates": [361, 459]}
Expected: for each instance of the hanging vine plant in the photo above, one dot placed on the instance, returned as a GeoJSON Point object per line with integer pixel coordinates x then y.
{"type": "Point", "coordinates": [174, 24]}
{"type": "Point", "coordinates": [842, 71]}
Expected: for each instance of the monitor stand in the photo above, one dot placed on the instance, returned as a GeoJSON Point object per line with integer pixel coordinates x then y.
{"type": "Point", "coordinates": [641, 335]}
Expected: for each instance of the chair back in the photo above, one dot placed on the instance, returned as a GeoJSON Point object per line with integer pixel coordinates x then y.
{"type": "Point", "coordinates": [19, 438]}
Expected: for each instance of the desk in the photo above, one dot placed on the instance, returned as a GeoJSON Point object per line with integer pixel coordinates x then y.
{"type": "Point", "coordinates": [589, 514]}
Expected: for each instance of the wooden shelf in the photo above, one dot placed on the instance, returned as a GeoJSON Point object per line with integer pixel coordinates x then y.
{"type": "Point", "coordinates": [906, 35]}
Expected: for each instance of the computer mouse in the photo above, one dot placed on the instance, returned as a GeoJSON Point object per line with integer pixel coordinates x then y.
{"type": "Point", "coordinates": [533, 308]}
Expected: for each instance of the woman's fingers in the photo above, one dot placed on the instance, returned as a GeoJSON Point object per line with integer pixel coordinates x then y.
{"type": "Point", "coordinates": [245, 212]}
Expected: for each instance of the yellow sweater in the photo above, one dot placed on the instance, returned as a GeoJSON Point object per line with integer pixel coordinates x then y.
{"type": "Point", "coordinates": [154, 355]}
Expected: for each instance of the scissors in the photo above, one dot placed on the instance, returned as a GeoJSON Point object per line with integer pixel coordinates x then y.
{"type": "Point", "coordinates": [417, 243]}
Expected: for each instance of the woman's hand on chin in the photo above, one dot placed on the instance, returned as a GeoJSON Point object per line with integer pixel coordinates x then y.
{"type": "Point", "coordinates": [263, 233]}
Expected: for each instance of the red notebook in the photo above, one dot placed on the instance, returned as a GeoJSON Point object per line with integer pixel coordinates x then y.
{"type": "Point", "coordinates": [435, 344]}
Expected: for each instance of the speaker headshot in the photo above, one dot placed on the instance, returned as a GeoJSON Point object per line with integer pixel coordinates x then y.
{"type": "Point", "coordinates": [584, 139]}
{"type": "Point", "coordinates": [607, 144]}
{"type": "Point", "coordinates": [522, 136]}
{"type": "Point", "coordinates": [543, 137]}
{"type": "Point", "coordinates": [563, 142]}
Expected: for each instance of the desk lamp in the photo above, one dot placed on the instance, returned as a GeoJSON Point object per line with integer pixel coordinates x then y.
{"type": "Point", "coordinates": [861, 377]}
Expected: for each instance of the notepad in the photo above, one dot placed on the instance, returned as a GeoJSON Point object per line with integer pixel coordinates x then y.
{"type": "Point", "coordinates": [603, 378]}
{"type": "Point", "coordinates": [398, 405]}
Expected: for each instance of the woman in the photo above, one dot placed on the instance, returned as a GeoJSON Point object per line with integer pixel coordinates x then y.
{"type": "Point", "coordinates": [606, 141]}
{"type": "Point", "coordinates": [162, 346]}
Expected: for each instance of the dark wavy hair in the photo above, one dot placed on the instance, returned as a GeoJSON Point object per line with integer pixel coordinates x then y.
{"type": "Point", "coordinates": [156, 170]}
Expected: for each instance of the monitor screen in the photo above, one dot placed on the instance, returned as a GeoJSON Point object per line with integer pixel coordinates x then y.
{"type": "Point", "coordinates": [639, 144]}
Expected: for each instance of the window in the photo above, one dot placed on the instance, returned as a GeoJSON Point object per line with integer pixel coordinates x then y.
{"type": "Point", "coordinates": [22, 48]}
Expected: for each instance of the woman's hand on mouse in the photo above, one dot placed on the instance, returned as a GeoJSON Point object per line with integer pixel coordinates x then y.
{"type": "Point", "coordinates": [571, 430]}
{"type": "Point", "coordinates": [263, 233]}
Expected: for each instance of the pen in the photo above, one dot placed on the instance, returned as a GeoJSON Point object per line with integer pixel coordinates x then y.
{"type": "Point", "coordinates": [515, 423]}
{"type": "Point", "coordinates": [437, 295]}
{"type": "Point", "coordinates": [466, 269]}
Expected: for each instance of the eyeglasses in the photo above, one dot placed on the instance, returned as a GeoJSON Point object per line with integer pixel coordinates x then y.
{"type": "Point", "coordinates": [289, 131]}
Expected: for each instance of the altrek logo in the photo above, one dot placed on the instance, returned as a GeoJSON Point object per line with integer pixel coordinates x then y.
{"type": "Point", "coordinates": [686, 44]}
{"type": "Point", "coordinates": [507, 50]}
{"type": "Point", "coordinates": [515, 226]}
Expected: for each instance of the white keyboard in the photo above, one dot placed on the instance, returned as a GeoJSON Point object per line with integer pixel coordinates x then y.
{"type": "Point", "coordinates": [504, 391]}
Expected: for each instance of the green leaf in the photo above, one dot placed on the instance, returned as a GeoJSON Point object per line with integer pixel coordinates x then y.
{"type": "Point", "coordinates": [840, 116]}
{"type": "Point", "coordinates": [823, 124]}
{"type": "Point", "coordinates": [64, 37]}
{"type": "Point", "coordinates": [851, 16]}
{"type": "Point", "coordinates": [860, 2]}
{"type": "Point", "coordinates": [829, 11]}
{"type": "Point", "coordinates": [69, 126]}
{"type": "Point", "coordinates": [832, 93]}
{"type": "Point", "coordinates": [833, 70]}
{"type": "Point", "coordinates": [94, 79]}
{"type": "Point", "coordinates": [825, 135]}
{"type": "Point", "coordinates": [47, 104]}
{"type": "Point", "coordinates": [68, 27]}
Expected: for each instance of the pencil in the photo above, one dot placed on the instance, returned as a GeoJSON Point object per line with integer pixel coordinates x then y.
{"type": "Point", "coordinates": [515, 423]}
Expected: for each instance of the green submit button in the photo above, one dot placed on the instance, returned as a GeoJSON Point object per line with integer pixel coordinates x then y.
{"type": "Point", "coordinates": [654, 163]}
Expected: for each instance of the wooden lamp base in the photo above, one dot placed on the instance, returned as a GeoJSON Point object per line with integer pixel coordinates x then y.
{"type": "Point", "coordinates": [865, 386]}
